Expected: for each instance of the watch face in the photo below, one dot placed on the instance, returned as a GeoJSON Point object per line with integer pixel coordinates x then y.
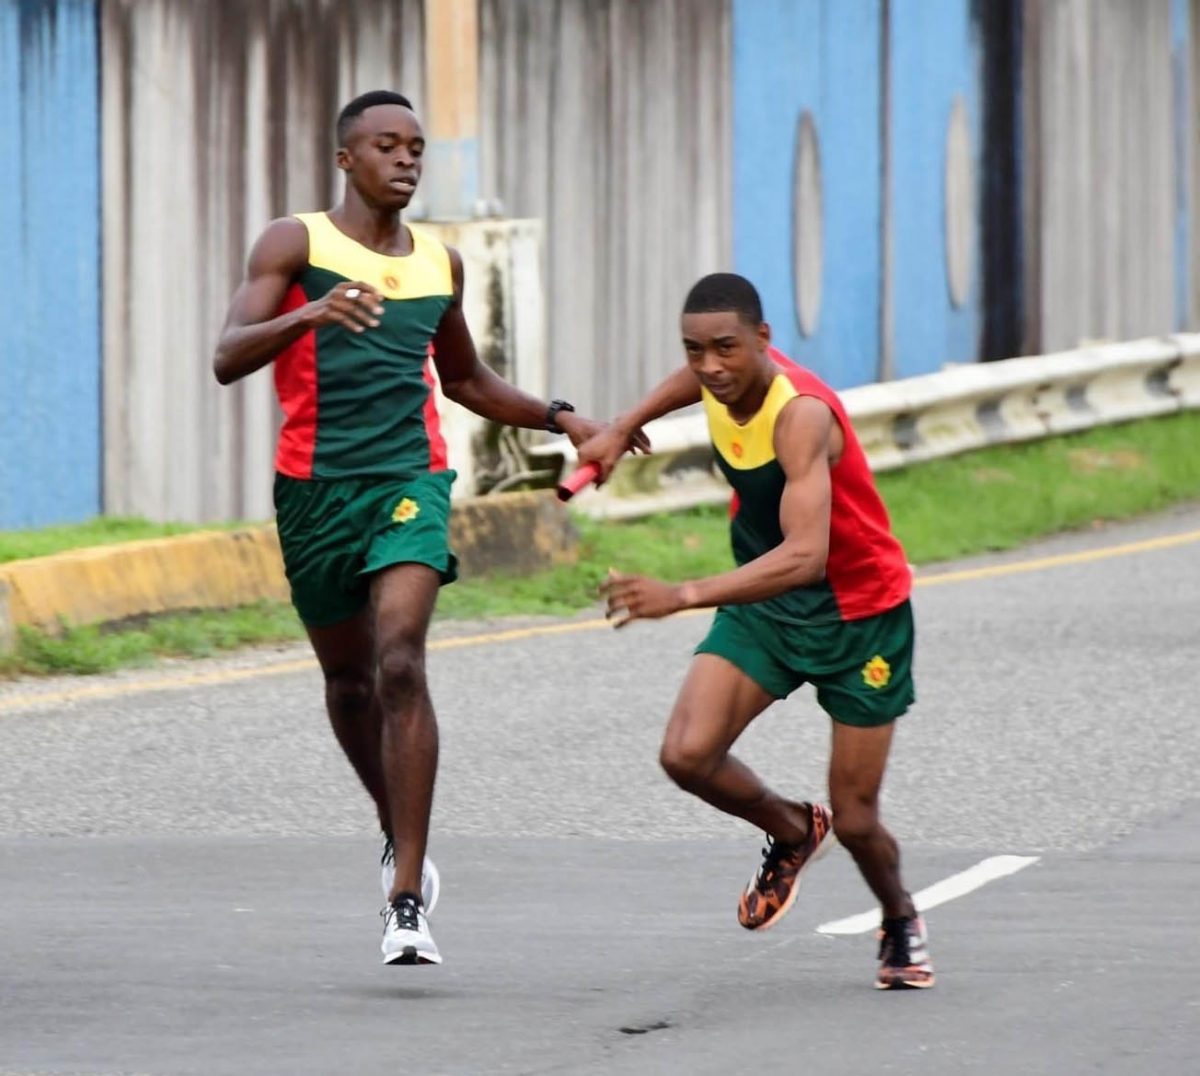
{"type": "Point", "coordinates": [552, 414]}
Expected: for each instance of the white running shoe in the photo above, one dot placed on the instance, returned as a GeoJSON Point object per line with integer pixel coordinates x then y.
{"type": "Point", "coordinates": [406, 937]}
{"type": "Point", "coordinates": [431, 881]}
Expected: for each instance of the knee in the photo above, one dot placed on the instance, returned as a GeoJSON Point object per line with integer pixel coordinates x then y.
{"type": "Point", "coordinates": [348, 690]}
{"type": "Point", "coordinates": [401, 671]}
{"type": "Point", "coordinates": [686, 764]}
{"type": "Point", "coordinates": [855, 819]}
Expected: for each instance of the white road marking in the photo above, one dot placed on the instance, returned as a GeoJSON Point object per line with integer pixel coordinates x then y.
{"type": "Point", "coordinates": [957, 885]}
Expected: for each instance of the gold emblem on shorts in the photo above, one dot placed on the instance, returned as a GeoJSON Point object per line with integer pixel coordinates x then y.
{"type": "Point", "coordinates": [407, 509]}
{"type": "Point", "coordinates": [877, 672]}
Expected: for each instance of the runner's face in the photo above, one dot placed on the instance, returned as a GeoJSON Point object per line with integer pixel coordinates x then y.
{"type": "Point", "coordinates": [724, 353]}
{"type": "Point", "coordinates": [383, 156]}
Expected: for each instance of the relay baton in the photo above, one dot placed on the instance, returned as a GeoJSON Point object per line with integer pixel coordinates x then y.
{"type": "Point", "coordinates": [576, 480]}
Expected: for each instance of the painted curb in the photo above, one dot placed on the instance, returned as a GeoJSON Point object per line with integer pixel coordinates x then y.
{"type": "Point", "coordinates": [517, 532]}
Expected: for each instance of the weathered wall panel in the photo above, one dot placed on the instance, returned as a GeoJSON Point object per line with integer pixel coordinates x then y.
{"type": "Point", "coordinates": [1183, 137]}
{"type": "Point", "coordinates": [218, 117]}
{"type": "Point", "coordinates": [610, 120]}
{"type": "Point", "coordinates": [1102, 170]}
{"type": "Point", "coordinates": [50, 250]}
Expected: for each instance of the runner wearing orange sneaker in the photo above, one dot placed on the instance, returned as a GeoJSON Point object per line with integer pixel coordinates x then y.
{"type": "Point", "coordinates": [820, 595]}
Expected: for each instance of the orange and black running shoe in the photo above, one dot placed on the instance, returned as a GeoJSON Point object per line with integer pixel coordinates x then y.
{"type": "Point", "coordinates": [772, 890]}
{"type": "Point", "coordinates": [904, 955]}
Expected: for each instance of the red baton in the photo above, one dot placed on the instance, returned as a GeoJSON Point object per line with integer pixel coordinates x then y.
{"type": "Point", "coordinates": [576, 480]}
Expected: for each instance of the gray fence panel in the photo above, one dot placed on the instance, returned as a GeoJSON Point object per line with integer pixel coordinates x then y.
{"type": "Point", "coordinates": [1102, 169]}
{"type": "Point", "coordinates": [217, 117]}
{"type": "Point", "coordinates": [610, 120]}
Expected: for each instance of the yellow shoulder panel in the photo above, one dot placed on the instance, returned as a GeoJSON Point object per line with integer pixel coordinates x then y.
{"type": "Point", "coordinates": [745, 446]}
{"type": "Point", "coordinates": [423, 273]}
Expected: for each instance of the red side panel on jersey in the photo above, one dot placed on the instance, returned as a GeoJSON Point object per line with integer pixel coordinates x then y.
{"type": "Point", "coordinates": [438, 456]}
{"type": "Point", "coordinates": [866, 567]}
{"type": "Point", "coordinates": [296, 384]}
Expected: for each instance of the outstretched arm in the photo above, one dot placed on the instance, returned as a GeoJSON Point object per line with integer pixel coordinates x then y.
{"type": "Point", "coordinates": [803, 434]}
{"type": "Point", "coordinates": [477, 387]}
{"type": "Point", "coordinates": [255, 332]}
{"type": "Point", "coordinates": [677, 390]}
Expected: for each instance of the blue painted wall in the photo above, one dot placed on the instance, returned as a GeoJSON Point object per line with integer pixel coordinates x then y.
{"type": "Point", "coordinates": [823, 56]}
{"type": "Point", "coordinates": [934, 57]}
{"type": "Point", "coordinates": [827, 56]}
{"type": "Point", "coordinates": [50, 249]}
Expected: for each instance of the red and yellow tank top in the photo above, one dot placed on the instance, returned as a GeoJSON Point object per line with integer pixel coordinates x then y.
{"type": "Point", "coordinates": [866, 572]}
{"type": "Point", "coordinates": [362, 404]}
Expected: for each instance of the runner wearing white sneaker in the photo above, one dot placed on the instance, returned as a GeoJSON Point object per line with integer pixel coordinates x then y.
{"type": "Point", "coordinates": [357, 312]}
{"type": "Point", "coordinates": [406, 937]}
{"type": "Point", "coordinates": [431, 880]}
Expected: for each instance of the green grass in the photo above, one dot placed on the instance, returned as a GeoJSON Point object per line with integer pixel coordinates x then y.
{"type": "Point", "coordinates": [19, 545]}
{"type": "Point", "coordinates": [998, 498]}
{"type": "Point", "coordinates": [988, 500]}
{"type": "Point", "coordinates": [679, 546]}
{"type": "Point", "coordinates": [184, 635]}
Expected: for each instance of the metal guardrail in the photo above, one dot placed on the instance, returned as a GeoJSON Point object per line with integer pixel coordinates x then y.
{"type": "Point", "coordinates": [923, 418]}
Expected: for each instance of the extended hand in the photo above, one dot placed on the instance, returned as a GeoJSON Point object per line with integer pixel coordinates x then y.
{"type": "Point", "coordinates": [634, 597]}
{"type": "Point", "coordinates": [607, 445]}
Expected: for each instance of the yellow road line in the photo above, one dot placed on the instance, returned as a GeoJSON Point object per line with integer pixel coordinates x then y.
{"type": "Point", "coordinates": [1039, 563]}
{"type": "Point", "coordinates": [281, 668]}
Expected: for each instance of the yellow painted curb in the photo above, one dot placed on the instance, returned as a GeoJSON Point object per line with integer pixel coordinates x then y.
{"type": "Point", "coordinates": [518, 532]}
{"type": "Point", "coordinates": [205, 570]}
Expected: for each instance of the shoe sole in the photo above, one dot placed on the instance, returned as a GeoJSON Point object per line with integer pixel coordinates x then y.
{"type": "Point", "coordinates": [409, 957]}
{"type": "Point", "coordinates": [786, 906]}
{"type": "Point", "coordinates": [905, 984]}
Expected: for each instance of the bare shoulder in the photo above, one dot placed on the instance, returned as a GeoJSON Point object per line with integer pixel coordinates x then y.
{"type": "Point", "coordinates": [281, 248]}
{"type": "Point", "coordinates": [805, 417]}
{"type": "Point", "coordinates": [807, 428]}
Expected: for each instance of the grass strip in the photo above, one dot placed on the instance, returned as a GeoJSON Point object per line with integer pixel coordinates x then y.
{"type": "Point", "coordinates": [988, 500]}
{"type": "Point", "coordinates": [21, 545]}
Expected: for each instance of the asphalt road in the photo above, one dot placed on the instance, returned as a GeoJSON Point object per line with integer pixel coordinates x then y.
{"type": "Point", "coordinates": [188, 870]}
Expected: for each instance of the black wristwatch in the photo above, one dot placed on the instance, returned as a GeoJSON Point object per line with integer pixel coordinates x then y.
{"type": "Point", "coordinates": [552, 414]}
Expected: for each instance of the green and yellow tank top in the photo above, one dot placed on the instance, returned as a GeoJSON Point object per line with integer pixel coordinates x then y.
{"type": "Point", "coordinates": [361, 404]}
{"type": "Point", "coordinates": [866, 571]}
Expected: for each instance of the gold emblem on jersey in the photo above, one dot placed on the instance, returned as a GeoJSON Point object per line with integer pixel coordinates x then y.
{"type": "Point", "coordinates": [406, 510]}
{"type": "Point", "coordinates": [876, 672]}
{"type": "Point", "coordinates": [391, 283]}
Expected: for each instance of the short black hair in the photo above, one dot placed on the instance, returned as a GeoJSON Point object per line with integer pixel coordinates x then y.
{"type": "Point", "coordinates": [725, 291]}
{"type": "Point", "coordinates": [361, 103]}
